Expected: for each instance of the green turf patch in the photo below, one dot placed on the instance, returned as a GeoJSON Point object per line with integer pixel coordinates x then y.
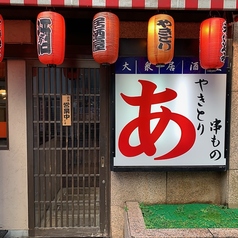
{"type": "Point", "coordinates": [194, 215]}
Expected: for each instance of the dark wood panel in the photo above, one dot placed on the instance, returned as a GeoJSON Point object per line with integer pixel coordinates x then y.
{"type": "Point", "coordinates": [127, 48]}
{"type": "Point", "coordinates": [30, 51]}
{"type": "Point", "coordinates": [138, 47]}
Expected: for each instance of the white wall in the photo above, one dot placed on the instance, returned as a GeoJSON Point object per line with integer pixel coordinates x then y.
{"type": "Point", "coordinates": [13, 162]}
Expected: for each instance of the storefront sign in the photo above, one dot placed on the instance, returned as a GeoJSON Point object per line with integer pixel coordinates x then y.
{"type": "Point", "coordinates": [66, 110]}
{"type": "Point", "coordinates": [173, 116]}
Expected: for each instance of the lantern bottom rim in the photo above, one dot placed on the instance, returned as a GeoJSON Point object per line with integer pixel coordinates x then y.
{"type": "Point", "coordinates": [105, 64]}
{"type": "Point", "coordinates": [51, 65]}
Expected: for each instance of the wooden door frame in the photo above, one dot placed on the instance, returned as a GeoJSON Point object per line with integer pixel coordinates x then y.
{"type": "Point", "coordinates": [104, 147]}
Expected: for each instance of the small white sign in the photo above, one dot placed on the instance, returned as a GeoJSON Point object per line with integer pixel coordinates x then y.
{"type": "Point", "coordinates": [66, 110]}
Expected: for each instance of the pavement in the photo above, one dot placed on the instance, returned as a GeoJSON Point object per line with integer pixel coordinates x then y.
{"type": "Point", "coordinates": [135, 228]}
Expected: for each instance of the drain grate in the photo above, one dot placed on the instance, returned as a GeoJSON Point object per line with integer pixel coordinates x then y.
{"type": "Point", "coordinates": [3, 233]}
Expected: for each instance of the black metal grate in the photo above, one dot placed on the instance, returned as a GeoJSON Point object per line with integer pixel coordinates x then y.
{"type": "Point", "coordinates": [3, 233]}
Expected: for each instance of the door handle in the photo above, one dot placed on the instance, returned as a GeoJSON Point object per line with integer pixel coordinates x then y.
{"type": "Point", "coordinates": [102, 161]}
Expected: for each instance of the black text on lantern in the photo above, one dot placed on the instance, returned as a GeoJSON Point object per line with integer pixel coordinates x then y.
{"type": "Point", "coordinates": [164, 34]}
{"type": "Point", "coordinates": [223, 42]}
{"type": "Point", "coordinates": [44, 36]}
{"type": "Point", "coordinates": [99, 34]}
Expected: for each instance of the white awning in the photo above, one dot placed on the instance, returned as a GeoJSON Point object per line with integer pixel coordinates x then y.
{"type": "Point", "coordinates": [131, 4]}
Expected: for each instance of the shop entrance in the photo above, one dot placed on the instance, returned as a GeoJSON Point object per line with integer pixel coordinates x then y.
{"type": "Point", "coordinates": [67, 177]}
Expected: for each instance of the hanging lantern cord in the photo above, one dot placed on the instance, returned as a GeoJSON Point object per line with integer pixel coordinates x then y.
{"type": "Point", "coordinates": [214, 15]}
{"type": "Point", "coordinates": [105, 64]}
{"type": "Point", "coordinates": [50, 9]}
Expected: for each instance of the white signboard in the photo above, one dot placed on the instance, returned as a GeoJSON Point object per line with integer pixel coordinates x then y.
{"type": "Point", "coordinates": [170, 120]}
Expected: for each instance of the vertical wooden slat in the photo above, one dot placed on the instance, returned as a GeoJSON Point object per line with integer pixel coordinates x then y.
{"type": "Point", "coordinates": [32, 204]}
{"type": "Point", "coordinates": [89, 146]}
{"type": "Point", "coordinates": [38, 145]}
{"type": "Point", "coordinates": [67, 165]}
{"type": "Point", "coordinates": [72, 149]}
{"type": "Point", "coordinates": [95, 146]}
{"type": "Point", "coordinates": [49, 187]}
{"type": "Point", "coordinates": [78, 143]}
{"type": "Point", "coordinates": [84, 138]}
{"type": "Point", "coordinates": [104, 149]}
{"type": "Point", "coordinates": [55, 151]}
{"type": "Point", "coordinates": [43, 148]}
{"type": "Point", "coordinates": [61, 154]}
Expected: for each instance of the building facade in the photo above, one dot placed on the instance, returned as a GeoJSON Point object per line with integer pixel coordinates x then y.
{"type": "Point", "coordinates": [58, 179]}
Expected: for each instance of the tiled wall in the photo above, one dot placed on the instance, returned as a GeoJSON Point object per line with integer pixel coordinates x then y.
{"type": "Point", "coordinates": [176, 187]}
{"type": "Point", "coordinates": [13, 162]}
{"type": "Point", "coordinates": [232, 188]}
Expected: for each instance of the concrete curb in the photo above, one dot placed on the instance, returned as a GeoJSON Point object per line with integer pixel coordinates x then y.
{"type": "Point", "coordinates": [135, 227]}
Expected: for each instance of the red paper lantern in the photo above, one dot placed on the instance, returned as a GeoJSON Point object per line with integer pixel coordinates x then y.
{"type": "Point", "coordinates": [160, 39]}
{"type": "Point", "coordinates": [212, 43]}
{"type": "Point", "coordinates": [2, 40]}
{"type": "Point", "coordinates": [50, 38]}
{"type": "Point", "coordinates": [105, 37]}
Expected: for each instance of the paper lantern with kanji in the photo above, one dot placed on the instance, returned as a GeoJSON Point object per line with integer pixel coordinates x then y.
{"type": "Point", "coordinates": [2, 39]}
{"type": "Point", "coordinates": [160, 39]}
{"type": "Point", "coordinates": [50, 38]}
{"type": "Point", "coordinates": [212, 43]}
{"type": "Point", "coordinates": [105, 38]}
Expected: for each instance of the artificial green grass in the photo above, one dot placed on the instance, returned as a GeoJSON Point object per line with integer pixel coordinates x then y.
{"type": "Point", "coordinates": [194, 215]}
